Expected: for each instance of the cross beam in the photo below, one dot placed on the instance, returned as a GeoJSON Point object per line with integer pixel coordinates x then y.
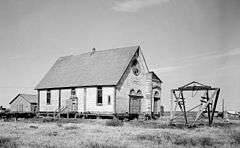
{"type": "Point", "coordinates": [207, 103]}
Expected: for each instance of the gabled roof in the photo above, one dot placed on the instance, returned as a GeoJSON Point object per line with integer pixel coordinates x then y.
{"type": "Point", "coordinates": [195, 86]}
{"type": "Point", "coordinates": [89, 69]}
{"type": "Point", "coordinates": [156, 77]}
{"type": "Point", "coordinates": [28, 97]}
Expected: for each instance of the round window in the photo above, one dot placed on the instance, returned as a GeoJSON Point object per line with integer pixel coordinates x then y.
{"type": "Point", "coordinates": [136, 71]}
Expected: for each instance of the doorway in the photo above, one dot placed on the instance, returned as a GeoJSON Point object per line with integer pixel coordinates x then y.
{"type": "Point", "coordinates": [155, 105]}
{"type": "Point", "coordinates": [135, 105]}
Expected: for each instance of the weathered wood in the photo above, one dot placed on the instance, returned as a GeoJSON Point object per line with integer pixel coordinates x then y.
{"type": "Point", "coordinates": [176, 104]}
{"type": "Point", "coordinates": [215, 104]}
{"type": "Point", "coordinates": [208, 109]}
{"type": "Point", "coordinates": [186, 111]}
{"type": "Point", "coordinates": [184, 108]}
{"type": "Point", "coordinates": [203, 107]}
{"type": "Point", "coordinates": [59, 99]}
{"type": "Point", "coordinates": [135, 105]}
{"type": "Point", "coordinates": [206, 101]}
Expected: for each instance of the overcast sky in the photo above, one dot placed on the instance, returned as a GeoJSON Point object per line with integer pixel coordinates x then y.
{"type": "Point", "coordinates": [182, 40]}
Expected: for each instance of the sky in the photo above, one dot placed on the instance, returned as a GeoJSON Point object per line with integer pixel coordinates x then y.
{"type": "Point", "coordinates": [182, 40]}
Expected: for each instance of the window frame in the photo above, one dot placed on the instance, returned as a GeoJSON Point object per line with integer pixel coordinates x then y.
{"type": "Point", "coordinates": [48, 97]}
{"type": "Point", "coordinates": [109, 100]}
{"type": "Point", "coordinates": [99, 96]}
{"type": "Point", "coordinates": [73, 92]}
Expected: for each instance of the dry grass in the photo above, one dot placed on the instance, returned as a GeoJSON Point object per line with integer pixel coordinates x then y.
{"type": "Point", "coordinates": [98, 133]}
{"type": "Point", "coordinates": [114, 122]}
{"type": "Point", "coordinates": [180, 140]}
{"type": "Point", "coordinates": [100, 145]}
{"type": "Point", "coordinates": [70, 127]}
{"type": "Point", "coordinates": [235, 135]}
{"type": "Point", "coordinates": [7, 142]}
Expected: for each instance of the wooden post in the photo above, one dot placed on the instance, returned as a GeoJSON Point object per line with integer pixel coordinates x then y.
{"type": "Point", "coordinates": [59, 100]}
{"type": "Point", "coordinates": [208, 108]}
{"type": "Point", "coordinates": [215, 104]}
{"type": "Point", "coordinates": [203, 107]}
{"type": "Point", "coordinates": [184, 108]}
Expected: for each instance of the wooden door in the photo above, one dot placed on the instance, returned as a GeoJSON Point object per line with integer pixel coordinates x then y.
{"type": "Point", "coordinates": [155, 105]}
{"type": "Point", "coordinates": [134, 105]}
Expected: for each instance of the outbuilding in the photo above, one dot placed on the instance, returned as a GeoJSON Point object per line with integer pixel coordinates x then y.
{"type": "Point", "coordinates": [24, 103]}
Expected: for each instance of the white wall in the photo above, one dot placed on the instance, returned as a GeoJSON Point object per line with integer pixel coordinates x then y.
{"type": "Point", "coordinates": [80, 95]}
{"type": "Point", "coordinates": [91, 100]}
{"type": "Point", "coordinates": [44, 107]}
{"type": "Point", "coordinates": [65, 94]}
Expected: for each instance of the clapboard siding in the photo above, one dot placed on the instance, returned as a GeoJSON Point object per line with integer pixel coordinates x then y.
{"type": "Point", "coordinates": [65, 94]}
{"type": "Point", "coordinates": [53, 106]}
{"type": "Point", "coordinates": [91, 100]}
{"type": "Point", "coordinates": [44, 107]}
{"type": "Point", "coordinates": [80, 95]}
{"type": "Point", "coordinates": [20, 105]}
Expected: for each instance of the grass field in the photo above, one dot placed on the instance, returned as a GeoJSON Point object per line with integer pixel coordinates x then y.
{"type": "Point", "coordinates": [97, 133]}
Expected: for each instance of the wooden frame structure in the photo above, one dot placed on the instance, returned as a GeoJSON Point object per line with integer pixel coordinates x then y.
{"type": "Point", "coordinates": [208, 102]}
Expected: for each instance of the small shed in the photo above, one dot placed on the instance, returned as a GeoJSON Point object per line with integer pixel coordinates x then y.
{"type": "Point", "coordinates": [24, 103]}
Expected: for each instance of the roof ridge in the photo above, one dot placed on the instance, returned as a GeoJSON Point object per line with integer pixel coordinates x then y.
{"type": "Point", "coordinates": [28, 94]}
{"type": "Point", "coordinates": [116, 48]}
{"type": "Point", "coordinates": [98, 51]}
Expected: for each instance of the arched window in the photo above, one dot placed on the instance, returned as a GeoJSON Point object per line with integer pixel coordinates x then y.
{"type": "Point", "coordinates": [139, 93]}
{"type": "Point", "coordinates": [132, 92]}
{"type": "Point", "coordinates": [156, 94]}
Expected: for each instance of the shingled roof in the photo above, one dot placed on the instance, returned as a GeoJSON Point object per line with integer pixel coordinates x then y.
{"type": "Point", "coordinates": [99, 68]}
{"type": "Point", "coordinates": [28, 97]}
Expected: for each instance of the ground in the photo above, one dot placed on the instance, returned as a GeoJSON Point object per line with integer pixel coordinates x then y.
{"type": "Point", "coordinates": [101, 133]}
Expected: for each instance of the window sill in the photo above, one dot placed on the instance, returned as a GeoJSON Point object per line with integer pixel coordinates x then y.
{"type": "Point", "coordinates": [99, 104]}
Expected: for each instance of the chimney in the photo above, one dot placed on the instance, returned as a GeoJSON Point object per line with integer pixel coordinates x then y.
{"type": "Point", "coordinates": [93, 51]}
